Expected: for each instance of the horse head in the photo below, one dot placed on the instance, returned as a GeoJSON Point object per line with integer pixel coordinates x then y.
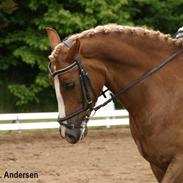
{"type": "Point", "coordinates": [77, 85]}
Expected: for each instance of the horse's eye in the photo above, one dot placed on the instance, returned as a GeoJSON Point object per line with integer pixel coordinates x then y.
{"type": "Point", "coordinates": [69, 84]}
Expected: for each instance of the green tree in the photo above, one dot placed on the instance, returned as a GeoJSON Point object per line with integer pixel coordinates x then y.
{"type": "Point", "coordinates": [24, 83]}
{"type": "Point", "coordinates": [166, 16]}
{"type": "Point", "coordinates": [24, 45]}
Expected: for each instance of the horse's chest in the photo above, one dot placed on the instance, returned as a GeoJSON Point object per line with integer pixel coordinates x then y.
{"type": "Point", "coordinates": [148, 149]}
{"type": "Point", "coordinates": [138, 138]}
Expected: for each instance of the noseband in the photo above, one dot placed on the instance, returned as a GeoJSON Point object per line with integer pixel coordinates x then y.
{"type": "Point", "coordinates": [86, 85]}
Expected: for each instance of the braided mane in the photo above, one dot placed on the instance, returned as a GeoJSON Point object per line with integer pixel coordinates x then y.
{"type": "Point", "coordinates": [110, 28]}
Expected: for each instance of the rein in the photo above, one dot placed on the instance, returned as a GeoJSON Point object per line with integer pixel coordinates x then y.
{"type": "Point", "coordinates": [137, 81]}
{"type": "Point", "coordinates": [86, 85]}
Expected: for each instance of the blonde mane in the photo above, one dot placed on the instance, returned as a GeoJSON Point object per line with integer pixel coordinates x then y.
{"type": "Point", "coordinates": [110, 28]}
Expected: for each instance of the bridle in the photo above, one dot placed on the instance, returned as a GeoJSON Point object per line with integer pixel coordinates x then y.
{"type": "Point", "coordinates": [86, 86]}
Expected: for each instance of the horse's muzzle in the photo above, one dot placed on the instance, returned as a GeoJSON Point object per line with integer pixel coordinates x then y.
{"type": "Point", "coordinates": [73, 135]}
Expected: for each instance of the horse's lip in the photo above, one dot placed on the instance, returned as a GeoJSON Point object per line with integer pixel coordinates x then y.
{"type": "Point", "coordinates": [71, 140]}
{"type": "Point", "coordinates": [68, 139]}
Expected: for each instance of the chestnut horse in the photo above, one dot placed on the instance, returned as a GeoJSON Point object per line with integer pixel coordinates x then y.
{"type": "Point", "coordinates": [115, 56]}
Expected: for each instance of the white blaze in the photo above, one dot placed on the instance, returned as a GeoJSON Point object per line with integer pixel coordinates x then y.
{"type": "Point", "coordinates": [60, 101]}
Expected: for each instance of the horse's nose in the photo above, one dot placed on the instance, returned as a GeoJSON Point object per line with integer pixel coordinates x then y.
{"type": "Point", "coordinates": [72, 135]}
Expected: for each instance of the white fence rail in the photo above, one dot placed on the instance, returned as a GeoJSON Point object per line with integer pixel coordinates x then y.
{"type": "Point", "coordinates": [22, 121]}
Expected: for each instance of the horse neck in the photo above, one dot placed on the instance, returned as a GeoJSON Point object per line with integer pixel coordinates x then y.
{"type": "Point", "coordinates": [126, 59]}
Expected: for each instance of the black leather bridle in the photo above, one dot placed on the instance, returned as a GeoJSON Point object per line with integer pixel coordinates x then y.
{"type": "Point", "coordinates": [86, 86]}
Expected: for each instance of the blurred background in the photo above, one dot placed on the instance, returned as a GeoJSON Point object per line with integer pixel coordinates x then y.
{"type": "Point", "coordinates": [24, 49]}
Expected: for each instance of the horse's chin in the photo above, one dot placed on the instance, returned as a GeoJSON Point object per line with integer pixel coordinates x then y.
{"type": "Point", "coordinates": [71, 140]}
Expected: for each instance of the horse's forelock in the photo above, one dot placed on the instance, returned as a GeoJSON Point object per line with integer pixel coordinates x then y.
{"type": "Point", "coordinates": [55, 52]}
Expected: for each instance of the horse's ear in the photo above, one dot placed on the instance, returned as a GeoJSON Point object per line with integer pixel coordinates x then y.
{"type": "Point", "coordinates": [53, 37]}
{"type": "Point", "coordinates": [73, 51]}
